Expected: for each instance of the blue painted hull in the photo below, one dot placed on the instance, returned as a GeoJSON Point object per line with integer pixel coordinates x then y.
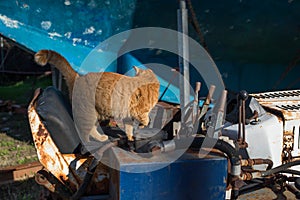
{"type": "Point", "coordinates": [246, 38]}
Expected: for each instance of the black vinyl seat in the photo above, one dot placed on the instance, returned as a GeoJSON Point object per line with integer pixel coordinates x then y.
{"type": "Point", "coordinates": [55, 112]}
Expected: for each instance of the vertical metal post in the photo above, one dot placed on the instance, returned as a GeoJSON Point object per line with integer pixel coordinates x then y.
{"type": "Point", "coordinates": [2, 53]}
{"type": "Point", "coordinates": [183, 49]}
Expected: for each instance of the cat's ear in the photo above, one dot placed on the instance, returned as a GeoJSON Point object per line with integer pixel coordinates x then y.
{"type": "Point", "coordinates": [137, 70]}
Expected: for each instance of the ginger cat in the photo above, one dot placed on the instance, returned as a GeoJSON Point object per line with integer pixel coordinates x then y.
{"type": "Point", "coordinates": [116, 96]}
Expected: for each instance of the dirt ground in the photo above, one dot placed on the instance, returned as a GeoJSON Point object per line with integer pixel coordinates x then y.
{"type": "Point", "coordinates": [27, 190]}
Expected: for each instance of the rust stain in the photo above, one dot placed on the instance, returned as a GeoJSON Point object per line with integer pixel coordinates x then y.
{"type": "Point", "coordinates": [42, 180]}
{"type": "Point", "coordinates": [100, 181]}
{"type": "Point", "coordinates": [41, 131]}
{"type": "Point", "coordinates": [60, 163]}
{"type": "Point", "coordinates": [288, 132]}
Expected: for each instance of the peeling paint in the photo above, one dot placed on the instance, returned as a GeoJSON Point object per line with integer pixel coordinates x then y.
{"type": "Point", "coordinates": [54, 34]}
{"type": "Point", "coordinates": [76, 40]}
{"type": "Point", "coordinates": [46, 25]}
{"type": "Point", "coordinates": [89, 30]}
{"type": "Point", "coordinates": [9, 22]}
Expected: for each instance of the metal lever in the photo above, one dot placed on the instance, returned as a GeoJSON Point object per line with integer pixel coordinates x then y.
{"type": "Point", "coordinates": [191, 111]}
{"type": "Point", "coordinates": [207, 102]}
{"type": "Point", "coordinates": [217, 120]}
{"type": "Point", "coordinates": [196, 102]}
{"type": "Point", "coordinates": [243, 96]}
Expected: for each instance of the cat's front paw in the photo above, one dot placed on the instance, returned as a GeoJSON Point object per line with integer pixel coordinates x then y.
{"type": "Point", "coordinates": [98, 136]}
{"type": "Point", "coordinates": [102, 138]}
{"type": "Point", "coordinates": [130, 138]}
{"type": "Point", "coordinates": [129, 132]}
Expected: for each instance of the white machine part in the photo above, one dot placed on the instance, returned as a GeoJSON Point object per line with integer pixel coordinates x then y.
{"type": "Point", "coordinates": [275, 133]}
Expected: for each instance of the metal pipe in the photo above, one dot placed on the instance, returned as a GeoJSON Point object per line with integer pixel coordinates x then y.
{"type": "Point", "coordinates": [86, 181]}
{"type": "Point", "coordinates": [257, 161]}
{"type": "Point", "coordinates": [183, 49]}
{"type": "Point", "coordinates": [242, 97]}
{"type": "Point", "coordinates": [247, 176]}
{"type": "Point", "coordinates": [240, 122]}
{"type": "Point", "coordinates": [250, 187]}
{"type": "Point", "coordinates": [291, 171]}
{"type": "Point", "coordinates": [280, 168]}
{"type": "Point", "coordinates": [243, 120]}
{"type": "Point", "coordinates": [169, 83]}
{"type": "Point", "coordinates": [197, 142]}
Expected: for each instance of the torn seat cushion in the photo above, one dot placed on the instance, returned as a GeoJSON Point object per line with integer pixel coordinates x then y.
{"type": "Point", "coordinates": [56, 113]}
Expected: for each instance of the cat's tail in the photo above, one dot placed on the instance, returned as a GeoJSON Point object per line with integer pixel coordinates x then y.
{"type": "Point", "coordinates": [43, 57]}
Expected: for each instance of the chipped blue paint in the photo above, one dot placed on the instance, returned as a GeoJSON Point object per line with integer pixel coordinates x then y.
{"type": "Point", "coordinates": [72, 28]}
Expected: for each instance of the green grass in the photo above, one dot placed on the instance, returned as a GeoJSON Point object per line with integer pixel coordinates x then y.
{"type": "Point", "coordinates": [15, 152]}
{"type": "Point", "coordinates": [22, 91]}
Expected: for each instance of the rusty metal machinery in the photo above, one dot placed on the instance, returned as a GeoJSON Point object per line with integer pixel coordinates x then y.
{"type": "Point", "coordinates": [72, 175]}
{"type": "Point", "coordinates": [271, 131]}
{"type": "Point", "coordinates": [286, 106]}
{"type": "Point", "coordinates": [269, 161]}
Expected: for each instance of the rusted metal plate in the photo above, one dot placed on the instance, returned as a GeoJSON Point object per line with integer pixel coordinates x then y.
{"type": "Point", "coordinates": [285, 102]}
{"type": "Point", "coordinates": [20, 172]}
